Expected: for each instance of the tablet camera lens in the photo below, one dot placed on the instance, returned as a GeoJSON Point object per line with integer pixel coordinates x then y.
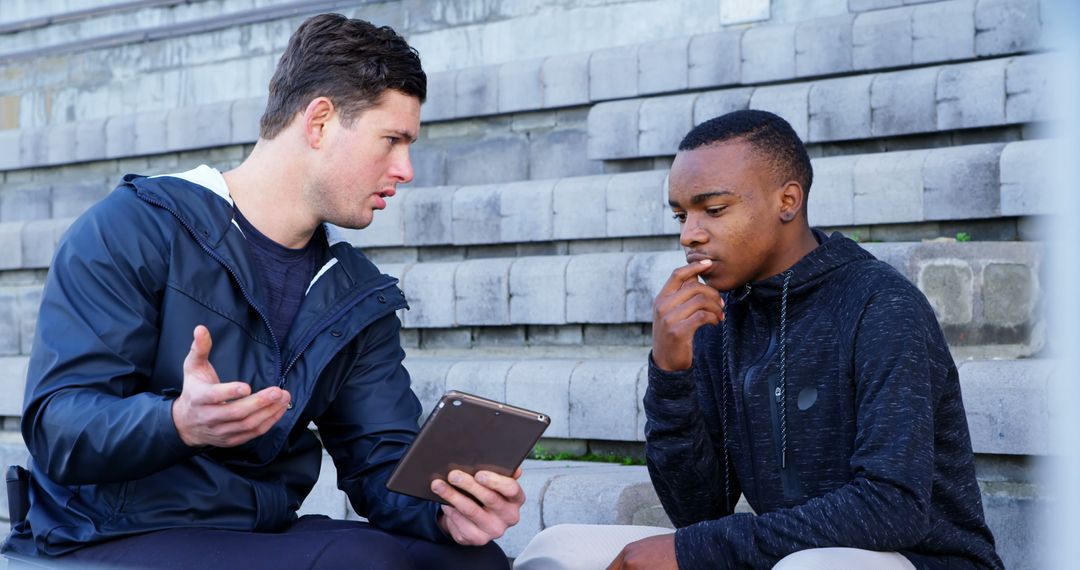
{"type": "Point", "coordinates": [457, 402]}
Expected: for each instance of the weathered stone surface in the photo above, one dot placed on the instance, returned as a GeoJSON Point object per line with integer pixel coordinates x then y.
{"type": "Point", "coordinates": [9, 323]}
{"type": "Point", "coordinates": [613, 73]}
{"type": "Point", "coordinates": [90, 140]}
{"type": "Point", "coordinates": [882, 39]}
{"type": "Point", "coordinates": [889, 187]}
{"type": "Point", "coordinates": [429, 289]}
{"type": "Point", "coordinates": [428, 217]}
{"type": "Point", "coordinates": [831, 200]}
{"type": "Point", "coordinates": [244, 117]}
{"type": "Point", "coordinates": [949, 286]}
{"type": "Point", "coordinates": [1014, 513]}
{"type": "Point", "coordinates": [580, 207]}
{"type": "Point", "coordinates": [198, 127]}
{"type": "Point", "coordinates": [428, 377]}
{"type": "Point", "coordinates": [33, 147]}
{"type": "Point", "coordinates": [520, 86]}
{"type": "Point", "coordinates": [566, 80]}
{"type": "Point", "coordinates": [971, 95]}
{"type": "Point", "coordinates": [595, 288]}
{"type": "Point", "coordinates": [1008, 405]}
{"type": "Point", "coordinates": [824, 46]}
{"type": "Point", "coordinates": [11, 237]}
{"type": "Point", "coordinates": [1007, 26]}
{"type": "Point", "coordinates": [635, 203]}
{"type": "Point", "coordinates": [1026, 178]}
{"type": "Point", "coordinates": [645, 276]}
{"type": "Point", "coordinates": [664, 121]}
{"type": "Point", "coordinates": [962, 182]}
{"type": "Point", "coordinates": [59, 143]}
{"type": "Point", "coordinates": [603, 400]}
{"type": "Point", "coordinates": [441, 103]}
{"type": "Point", "coordinates": [543, 386]}
{"type": "Point", "coordinates": [610, 496]}
{"type": "Point", "coordinates": [1027, 88]}
{"type": "Point", "coordinates": [476, 215]}
{"type": "Point", "coordinates": [489, 161]}
{"type": "Point", "coordinates": [712, 104]}
{"type": "Point", "coordinates": [867, 5]}
{"type": "Point", "coordinates": [560, 153]}
{"type": "Point", "coordinates": [13, 380]}
{"type": "Point", "coordinates": [477, 91]}
{"type": "Point", "coordinates": [1009, 294]}
{"type": "Point", "coordinates": [788, 101]}
{"type": "Point", "coordinates": [904, 102]}
{"type": "Point", "coordinates": [715, 59]}
{"type": "Point", "coordinates": [663, 66]}
{"type": "Point", "coordinates": [325, 498]}
{"type": "Point", "coordinates": [525, 210]}
{"type": "Point", "coordinates": [484, 378]}
{"type": "Point", "coordinates": [429, 165]}
{"type": "Point", "coordinates": [768, 53]}
{"type": "Point", "coordinates": [150, 131]}
{"type": "Point", "coordinates": [943, 31]}
{"type": "Point", "coordinates": [613, 129]}
{"type": "Point", "coordinates": [840, 109]}
{"type": "Point", "coordinates": [27, 203]}
{"type": "Point", "coordinates": [120, 136]}
{"type": "Point", "coordinates": [538, 290]}
{"type": "Point", "coordinates": [71, 200]}
{"type": "Point", "coordinates": [10, 145]}
{"type": "Point", "coordinates": [482, 292]}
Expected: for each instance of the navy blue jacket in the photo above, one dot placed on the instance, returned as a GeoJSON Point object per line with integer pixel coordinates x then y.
{"type": "Point", "coordinates": [832, 403]}
{"type": "Point", "coordinates": [130, 281]}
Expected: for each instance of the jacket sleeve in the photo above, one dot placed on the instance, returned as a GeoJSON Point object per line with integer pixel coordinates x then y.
{"type": "Point", "coordinates": [897, 359]}
{"type": "Point", "coordinates": [684, 463]}
{"type": "Point", "coordinates": [368, 427]}
{"type": "Point", "coordinates": [86, 418]}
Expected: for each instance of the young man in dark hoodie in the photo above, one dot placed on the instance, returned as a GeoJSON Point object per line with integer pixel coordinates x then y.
{"type": "Point", "coordinates": [801, 373]}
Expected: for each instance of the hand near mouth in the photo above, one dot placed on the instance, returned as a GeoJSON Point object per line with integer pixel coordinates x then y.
{"type": "Point", "coordinates": [683, 306]}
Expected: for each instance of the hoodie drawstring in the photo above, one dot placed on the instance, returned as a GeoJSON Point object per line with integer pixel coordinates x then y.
{"type": "Point", "coordinates": [781, 388]}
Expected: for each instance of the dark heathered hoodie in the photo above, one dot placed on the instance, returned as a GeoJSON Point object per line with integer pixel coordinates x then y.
{"type": "Point", "coordinates": [830, 400]}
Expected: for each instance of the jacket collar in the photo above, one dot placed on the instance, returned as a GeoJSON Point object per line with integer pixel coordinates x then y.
{"type": "Point", "coordinates": [833, 252]}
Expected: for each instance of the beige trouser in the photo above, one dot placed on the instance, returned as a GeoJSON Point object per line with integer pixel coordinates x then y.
{"type": "Point", "coordinates": [591, 547]}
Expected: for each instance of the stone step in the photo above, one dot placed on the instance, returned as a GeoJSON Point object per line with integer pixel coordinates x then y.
{"type": "Point", "coordinates": [985, 93]}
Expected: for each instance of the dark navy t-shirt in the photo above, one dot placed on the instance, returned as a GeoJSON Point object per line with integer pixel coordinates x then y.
{"type": "Point", "coordinates": [285, 273]}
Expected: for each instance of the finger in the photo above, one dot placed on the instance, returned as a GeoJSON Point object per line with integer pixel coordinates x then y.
{"type": "Point", "coordinates": [463, 530]}
{"type": "Point", "coordinates": [683, 274]}
{"type": "Point", "coordinates": [618, 562]}
{"type": "Point", "coordinates": [470, 485]}
{"type": "Point", "coordinates": [688, 291]}
{"type": "Point", "coordinates": [216, 394]}
{"type": "Point", "coordinates": [677, 314]}
{"type": "Point", "coordinates": [468, 508]}
{"type": "Point", "coordinates": [237, 433]}
{"type": "Point", "coordinates": [198, 358]}
{"type": "Point", "coordinates": [517, 473]}
{"type": "Point", "coordinates": [507, 487]}
{"type": "Point", "coordinates": [241, 409]}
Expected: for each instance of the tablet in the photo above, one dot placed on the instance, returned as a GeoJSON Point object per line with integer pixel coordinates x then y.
{"type": "Point", "coordinates": [469, 433]}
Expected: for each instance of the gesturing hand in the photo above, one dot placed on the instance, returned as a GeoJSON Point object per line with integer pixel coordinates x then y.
{"type": "Point", "coordinates": [683, 305]}
{"type": "Point", "coordinates": [222, 415]}
{"type": "Point", "coordinates": [653, 553]}
{"type": "Point", "coordinates": [472, 523]}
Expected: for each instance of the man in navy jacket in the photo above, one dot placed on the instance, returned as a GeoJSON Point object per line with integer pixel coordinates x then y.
{"type": "Point", "coordinates": [193, 325]}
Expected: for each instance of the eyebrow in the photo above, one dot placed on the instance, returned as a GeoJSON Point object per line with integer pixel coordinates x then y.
{"type": "Point", "coordinates": [704, 196]}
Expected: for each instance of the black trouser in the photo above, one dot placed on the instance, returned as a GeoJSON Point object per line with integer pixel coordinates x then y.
{"type": "Point", "coordinates": [312, 543]}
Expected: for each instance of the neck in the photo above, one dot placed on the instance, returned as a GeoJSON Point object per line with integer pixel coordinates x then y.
{"type": "Point", "coordinates": [267, 189]}
{"type": "Point", "coordinates": [796, 248]}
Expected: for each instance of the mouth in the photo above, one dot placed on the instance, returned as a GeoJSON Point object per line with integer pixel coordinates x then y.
{"type": "Point", "coordinates": [380, 197]}
{"type": "Point", "coordinates": [694, 257]}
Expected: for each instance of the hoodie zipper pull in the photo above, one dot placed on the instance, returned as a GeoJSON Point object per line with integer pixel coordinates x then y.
{"type": "Point", "coordinates": [777, 394]}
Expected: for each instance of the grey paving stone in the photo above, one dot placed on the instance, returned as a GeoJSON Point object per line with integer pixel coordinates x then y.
{"type": "Point", "coordinates": [325, 498]}
{"type": "Point", "coordinates": [543, 385]}
{"type": "Point", "coordinates": [497, 159]}
{"type": "Point", "coordinates": [1009, 294]}
{"type": "Point", "coordinates": [244, 117]}
{"type": "Point", "coordinates": [949, 287]}
{"type": "Point", "coordinates": [1007, 26]}
{"type": "Point", "coordinates": [788, 101]}
{"type": "Point", "coordinates": [484, 378]}
{"type": "Point", "coordinates": [712, 104]}
{"type": "Point", "coordinates": [90, 140]}
{"type": "Point", "coordinates": [613, 73]}
{"type": "Point", "coordinates": [428, 380]}
{"type": "Point", "coordinates": [882, 39]}
{"type": "Point", "coordinates": [1026, 178]}
{"type": "Point", "coordinates": [645, 276]}
{"type": "Point", "coordinates": [715, 59]}
{"type": "Point", "coordinates": [1009, 405]}
{"type": "Point", "coordinates": [476, 215]}
{"type": "Point", "coordinates": [596, 288]}
{"type": "Point", "coordinates": [11, 237]}
{"type": "Point", "coordinates": [561, 153]}
{"type": "Point", "coordinates": [13, 380]}
{"type": "Point", "coordinates": [429, 165]}
{"type": "Point", "coordinates": [387, 227]}
{"type": "Point", "coordinates": [482, 292]}
{"type": "Point", "coordinates": [477, 91]}
{"type": "Point", "coordinates": [831, 200]}
{"type": "Point", "coordinates": [33, 147]}
{"type": "Point", "coordinates": [10, 149]}
{"type": "Point", "coordinates": [889, 187]}
{"type": "Point", "coordinates": [72, 199]}
{"type": "Point", "coordinates": [1027, 88]}
{"type": "Point", "coordinates": [538, 290]}
{"type": "Point", "coordinates": [663, 122]}
{"type": "Point", "coordinates": [520, 86]}
{"type": "Point", "coordinates": [526, 211]}
{"type": "Point", "coordinates": [603, 400]}
{"type": "Point", "coordinates": [441, 103]}
{"type": "Point", "coordinates": [971, 95]}
{"type": "Point", "coordinates": [429, 289]}
{"type": "Point", "coordinates": [565, 80]}
{"type": "Point", "coordinates": [198, 127]}
{"type": "Point", "coordinates": [9, 323]}
{"type": "Point", "coordinates": [120, 136]}
{"type": "Point", "coordinates": [962, 182]}
{"type": "Point", "coordinates": [613, 129]}
{"type": "Point", "coordinates": [59, 143]}
{"type": "Point", "coordinates": [611, 496]}
{"type": "Point", "coordinates": [25, 203]}
{"type": "Point", "coordinates": [943, 31]}
{"type": "Point", "coordinates": [663, 66]}
{"type": "Point", "coordinates": [768, 53]}
{"type": "Point", "coordinates": [904, 102]}
{"type": "Point", "coordinates": [579, 207]}
{"type": "Point", "coordinates": [867, 5]}
{"type": "Point", "coordinates": [636, 203]}
{"type": "Point", "coordinates": [840, 109]}
{"type": "Point", "coordinates": [428, 217]}
{"type": "Point", "coordinates": [150, 134]}
{"type": "Point", "coordinates": [824, 46]}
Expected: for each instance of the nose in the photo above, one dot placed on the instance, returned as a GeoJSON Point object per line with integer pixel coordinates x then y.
{"type": "Point", "coordinates": [401, 168]}
{"type": "Point", "coordinates": [692, 233]}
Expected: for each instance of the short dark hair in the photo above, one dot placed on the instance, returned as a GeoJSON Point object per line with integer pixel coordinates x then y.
{"type": "Point", "coordinates": [770, 136]}
{"type": "Point", "coordinates": [350, 61]}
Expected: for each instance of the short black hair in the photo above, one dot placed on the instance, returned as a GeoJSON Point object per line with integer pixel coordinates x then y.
{"type": "Point", "coordinates": [769, 135]}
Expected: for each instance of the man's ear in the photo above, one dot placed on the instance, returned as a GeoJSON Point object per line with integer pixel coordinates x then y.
{"type": "Point", "coordinates": [792, 200]}
{"type": "Point", "coordinates": [316, 117]}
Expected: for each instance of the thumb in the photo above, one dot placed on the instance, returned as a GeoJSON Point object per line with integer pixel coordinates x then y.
{"type": "Point", "coordinates": [197, 362]}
